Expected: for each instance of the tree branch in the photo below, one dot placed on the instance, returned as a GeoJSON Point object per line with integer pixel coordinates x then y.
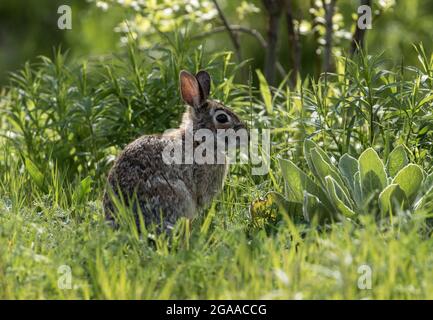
{"type": "Point", "coordinates": [235, 28]}
{"type": "Point", "coordinates": [233, 36]}
{"type": "Point", "coordinates": [252, 32]}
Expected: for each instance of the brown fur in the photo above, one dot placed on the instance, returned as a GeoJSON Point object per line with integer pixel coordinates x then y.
{"type": "Point", "coordinates": [170, 191]}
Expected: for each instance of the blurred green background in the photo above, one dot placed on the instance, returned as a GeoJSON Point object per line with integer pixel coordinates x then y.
{"type": "Point", "coordinates": [28, 28]}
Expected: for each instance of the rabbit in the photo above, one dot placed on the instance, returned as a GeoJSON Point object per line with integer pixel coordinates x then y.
{"type": "Point", "coordinates": [163, 192]}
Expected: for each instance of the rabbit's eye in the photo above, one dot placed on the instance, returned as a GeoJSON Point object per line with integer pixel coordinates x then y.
{"type": "Point", "coordinates": [222, 118]}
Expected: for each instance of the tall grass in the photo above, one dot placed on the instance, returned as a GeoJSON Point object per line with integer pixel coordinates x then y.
{"type": "Point", "coordinates": [39, 236]}
{"type": "Point", "coordinates": [62, 124]}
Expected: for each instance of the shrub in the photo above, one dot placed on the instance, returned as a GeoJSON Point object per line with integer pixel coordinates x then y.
{"type": "Point", "coordinates": [75, 117]}
{"type": "Point", "coordinates": [330, 192]}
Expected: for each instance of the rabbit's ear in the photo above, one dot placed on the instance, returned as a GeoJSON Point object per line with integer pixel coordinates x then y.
{"type": "Point", "coordinates": [189, 89]}
{"type": "Point", "coordinates": [203, 79]}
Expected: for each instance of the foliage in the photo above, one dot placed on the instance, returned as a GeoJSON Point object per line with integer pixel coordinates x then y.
{"type": "Point", "coordinates": [363, 105]}
{"type": "Point", "coordinates": [43, 236]}
{"type": "Point", "coordinates": [62, 121]}
{"type": "Point", "coordinates": [397, 26]}
{"type": "Point", "coordinates": [151, 21]}
{"type": "Point", "coordinates": [147, 19]}
{"type": "Point", "coordinates": [75, 117]}
{"type": "Point", "coordinates": [356, 186]}
{"type": "Point", "coordinates": [351, 188]}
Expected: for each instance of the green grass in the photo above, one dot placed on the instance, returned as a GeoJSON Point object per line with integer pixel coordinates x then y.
{"type": "Point", "coordinates": [62, 123]}
{"type": "Point", "coordinates": [217, 259]}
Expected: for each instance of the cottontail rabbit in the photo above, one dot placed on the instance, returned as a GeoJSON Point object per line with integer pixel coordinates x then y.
{"type": "Point", "coordinates": [162, 191]}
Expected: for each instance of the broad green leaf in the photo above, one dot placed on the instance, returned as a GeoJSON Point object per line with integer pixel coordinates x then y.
{"type": "Point", "coordinates": [348, 167]}
{"type": "Point", "coordinates": [340, 200]}
{"type": "Point", "coordinates": [297, 182]}
{"type": "Point", "coordinates": [35, 174]}
{"type": "Point", "coordinates": [265, 91]}
{"type": "Point", "coordinates": [310, 145]}
{"type": "Point", "coordinates": [372, 173]}
{"type": "Point", "coordinates": [357, 190]}
{"type": "Point", "coordinates": [289, 207]}
{"type": "Point", "coordinates": [410, 180]}
{"type": "Point", "coordinates": [324, 169]}
{"type": "Point", "coordinates": [392, 198]}
{"type": "Point", "coordinates": [426, 191]}
{"type": "Point", "coordinates": [428, 182]}
{"type": "Point", "coordinates": [314, 209]}
{"type": "Point", "coordinates": [397, 160]}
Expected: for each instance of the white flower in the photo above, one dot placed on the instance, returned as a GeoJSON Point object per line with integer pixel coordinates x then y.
{"type": "Point", "coordinates": [102, 5]}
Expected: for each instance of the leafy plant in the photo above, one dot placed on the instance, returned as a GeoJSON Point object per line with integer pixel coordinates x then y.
{"type": "Point", "coordinates": [352, 187]}
{"type": "Point", "coordinates": [75, 117]}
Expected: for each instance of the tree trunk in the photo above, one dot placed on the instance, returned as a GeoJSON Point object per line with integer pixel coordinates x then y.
{"type": "Point", "coordinates": [294, 43]}
{"type": "Point", "coordinates": [329, 14]}
{"type": "Point", "coordinates": [359, 34]}
{"type": "Point", "coordinates": [273, 7]}
{"type": "Point", "coordinates": [316, 34]}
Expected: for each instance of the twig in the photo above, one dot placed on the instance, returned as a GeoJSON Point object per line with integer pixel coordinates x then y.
{"type": "Point", "coordinates": [233, 36]}
{"type": "Point", "coordinates": [235, 28]}
{"type": "Point", "coordinates": [252, 32]}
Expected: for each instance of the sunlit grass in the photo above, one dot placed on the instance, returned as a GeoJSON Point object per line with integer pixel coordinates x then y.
{"type": "Point", "coordinates": [62, 124]}
{"type": "Point", "coordinates": [217, 259]}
